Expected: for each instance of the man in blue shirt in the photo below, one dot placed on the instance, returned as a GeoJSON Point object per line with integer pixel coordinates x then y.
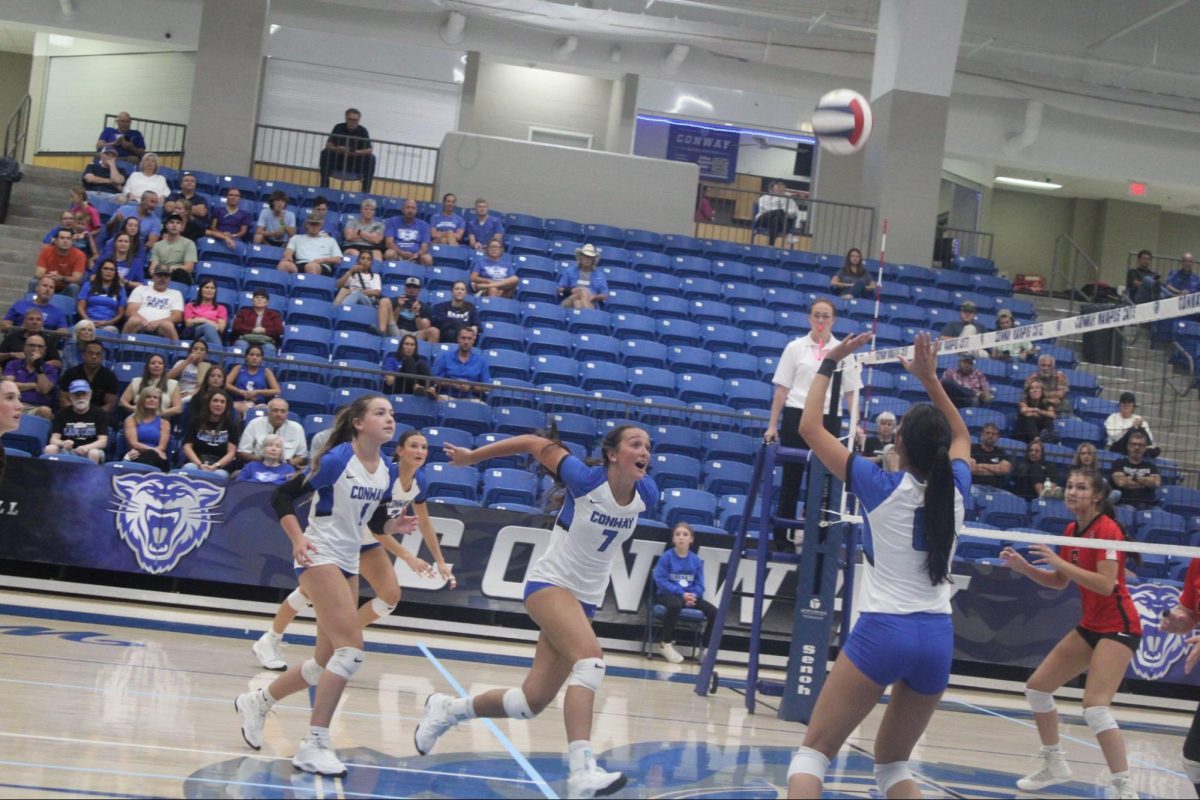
{"type": "Point", "coordinates": [493, 274]}
{"type": "Point", "coordinates": [447, 226]}
{"type": "Point", "coordinates": [128, 143]}
{"type": "Point", "coordinates": [102, 177]}
{"type": "Point", "coordinates": [483, 227]}
{"type": "Point", "coordinates": [147, 213]}
{"type": "Point", "coordinates": [1183, 280]}
{"type": "Point", "coordinates": [408, 238]}
{"type": "Point", "coordinates": [53, 318]}
{"type": "Point", "coordinates": [463, 366]}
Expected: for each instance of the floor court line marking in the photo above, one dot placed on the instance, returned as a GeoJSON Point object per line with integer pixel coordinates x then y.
{"type": "Point", "coordinates": [66, 791]}
{"type": "Point", "coordinates": [495, 729]}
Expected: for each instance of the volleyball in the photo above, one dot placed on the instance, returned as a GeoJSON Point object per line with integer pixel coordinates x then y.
{"type": "Point", "coordinates": [842, 121]}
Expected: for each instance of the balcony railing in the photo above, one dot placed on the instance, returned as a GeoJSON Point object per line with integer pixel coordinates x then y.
{"type": "Point", "coordinates": [166, 139]}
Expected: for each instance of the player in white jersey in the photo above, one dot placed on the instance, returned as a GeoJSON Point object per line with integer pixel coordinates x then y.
{"type": "Point", "coordinates": [564, 587]}
{"type": "Point", "coordinates": [904, 637]}
{"type": "Point", "coordinates": [353, 484]}
{"type": "Point", "coordinates": [374, 565]}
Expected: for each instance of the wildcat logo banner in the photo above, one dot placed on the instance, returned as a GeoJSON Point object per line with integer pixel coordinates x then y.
{"type": "Point", "coordinates": [162, 518]}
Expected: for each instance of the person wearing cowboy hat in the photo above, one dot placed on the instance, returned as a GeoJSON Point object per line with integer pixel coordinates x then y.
{"type": "Point", "coordinates": [583, 286]}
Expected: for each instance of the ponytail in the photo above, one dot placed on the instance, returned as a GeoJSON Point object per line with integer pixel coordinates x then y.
{"type": "Point", "coordinates": [929, 459]}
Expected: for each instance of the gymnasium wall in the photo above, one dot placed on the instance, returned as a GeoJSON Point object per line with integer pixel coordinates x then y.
{"type": "Point", "coordinates": [15, 69]}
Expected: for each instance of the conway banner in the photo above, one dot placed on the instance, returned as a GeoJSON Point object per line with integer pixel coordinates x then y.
{"type": "Point", "coordinates": [226, 536]}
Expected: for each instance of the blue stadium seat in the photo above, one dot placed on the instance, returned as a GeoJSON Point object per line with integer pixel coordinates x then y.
{"type": "Point", "coordinates": [717, 337]}
{"type": "Point", "coordinates": [247, 186]}
{"type": "Point", "coordinates": [735, 365]}
{"type": "Point", "coordinates": [522, 225]}
{"type": "Point", "coordinates": [675, 244]}
{"type": "Point", "coordinates": [503, 363]}
{"type": "Point", "coordinates": [697, 388]}
{"type": "Point", "coordinates": [727, 477]}
{"type": "Point", "coordinates": [1002, 509]}
{"type": "Point", "coordinates": [468, 415]}
{"type": "Point", "coordinates": [578, 428]}
{"type": "Point", "coordinates": [564, 229]}
{"type": "Point", "coordinates": [765, 343]}
{"type": "Point", "coordinates": [509, 486]}
{"type": "Point", "coordinates": [1179, 500]}
{"type": "Point", "coordinates": [438, 437]}
{"type": "Point", "coordinates": [526, 244]}
{"type": "Point", "coordinates": [315, 423]}
{"type": "Point", "coordinates": [643, 260]}
{"type": "Point", "coordinates": [536, 266]}
{"type": "Point", "coordinates": [1160, 527]}
{"type": "Point", "coordinates": [727, 446]}
{"type": "Point", "coordinates": [227, 276]}
{"type": "Point", "coordinates": [685, 266]}
{"type": "Point", "coordinates": [681, 358]}
{"type": "Point", "coordinates": [718, 248]}
{"type": "Point", "coordinates": [306, 311]}
{"type": "Point", "coordinates": [554, 369]}
{"type": "Point", "coordinates": [306, 398]}
{"type": "Point", "coordinates": [651, 380]}
{"type": "Point", "coordinates": [507, 462]}
{"type": "Point", "coordinates": [622, 278]}
{"type": "Point", "coordinates": [731, 510]}
{"type": "Point", "coordinates": [755, 254]}
{"type": "Point", "coordinates": [543, 341]}
{"type": "Point", "coordinates": [767, 366]}
{"type": "Point", "coordinates": [355, 318]}
{"type": "Point", "coordinates": [210, 249]}
{"type": "Point", "coordinates": [974, 548]}
{"type": "Point", "coordinates": [307, 340]}
{"type": "Point", "coordinates": [673, 471]}
{"type": "Point", "coordinates": [602, 376]}
{"type": "Point", "coordinates": [444, 480]}
{"type": "Point", "coordinates": [560, 397]}
{"type": "Point", "coordinates": [501, 336]}
{"type": "Point", "coordinates": [992, 285]}
{"type": "Point", "coordinates": [515, 420]}
{"type": "Point", "coordinates": [781, 299]}
{"type": "Point", "coordinates": [616, 255]}
{"type": "Point", "coordinates": [267, 188]}
{"type": "Point", "coordinates": [931, 297]}
{"type": "Point", "coordinates": [675, 439]}
{"type": "Point", "coordinates": [275, 282]}
{"type": "Point", "coordinates": [976, 418]}
{"type": "Point", "coordinates": [596, 347]}
{"type": "Point", "coordinates": [32, 434]}
{"type": "Point", "coordinates": [753, 316]}
{"type": "Point", "coordinates": [741, 295]}
{"type": "Point", "coordinates": [643, 353]}
{"type": "Point", "coordinates": [315, 287]}
{"type": "Point", "coordinates": [356, 345]}
{"type": "Point", "coordinates": [637, 239]}
{"type": "Point", "coordinates": [263, 255]}
{"type": "Point", "coordinates": [604, 235]}
{"type": "Point", "coordinates": [678, 332]}
{"type": "Point", "coordinates": [694, 506]}
{"type": "Point", "coordinates": [627, 325]}
{"type": "Point", "coordinates": [498, 309]}
{"type": "Point", "coordinates": [1073, 432]}
{"type": "Point", "coordinates": [1093, 409]}
{"type": "Point", "coordinates": [768, 277]}
{"type": "Point", "coordinates": [626, 301]}
{"type": "Point", "coordinates": [453, 256]}
{"type": "Point", "coordinates": [657, 283]}
{"type": "Point", "coordinates": [1050, 515]}
{"type": "Point", "coordinates": [702, 289]}
{"type": "Point", "coordinates": [747, 394]}
{"type": "Point", "coordinates": [443, 277]}
{"type": "Point", "coordinates": [1082, 383]}
{"type": "Point", "coordinates": [350, 373]}
{"type": "Point", "coordinates": [664, 306]}
{"type": "Point", "coordinates": [540, 314]}
{"type": "Point", "coordinates": [717, 312]}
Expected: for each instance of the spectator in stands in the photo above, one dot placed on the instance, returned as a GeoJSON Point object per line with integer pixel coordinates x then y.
{"type": "Point", "coordinates": [853, 280]}
{"type": "Point", "coordinates": [1054, 382]}
{"type": "Point", "coordinates": [1035, 415]}
{"type": "Point", "coordinates": [144, 211]}
{"type": "Point", "coordinates": [62, 262]}
{"type": "Point", "coordinates": [704, 209]}
{"type": "Point", "coordinates": [348, 151]}
{"type": "Point", "coordinates": [364, 232]}
{"type": "Point", "coordinates": [1135, 476]}
{"type": "Point", "coordinates": [146, 179]}
{"type": "Point", "coordinates": [103, 299]}
{"type": "Point", "coordinates": [174, 251]}
{"type": "Point", "coordinates": [965, 325]}
{"type": "Point", "coordinates": [1183, 280]}
{"type": "Point", "coordinates": [583, 286]}
{"type": "Point", "coordinates": [967, 386]}
{"type": "Point", "coordinates": [461, 368]}
{"type": "Point", "coordinates": [80, 426]}
{"type": "Point", "coordinates": [32, 324]}
{"type": "Point", "coordinates": [361, 285]}
{"type": "Point", "coordinates": [482, 227]}
{"type": "Point", "coordinates": [447, 226]}
{"type": "Point", "coordinates": [100, 379]}
{"type": "Point", "coordinates": [230, 222]}
{"type": "Point", "coordinates": [880, 446]}
{"type": "Point", "coordinates": [1010, 351]}
{"type": "Point", "coordinates": [407, 360]}
{"type": "Point", "coordinates": [35, 377]}
{"type": "Point", "coordinates": [125, 251]}
{"type": "Point", "coordinates": [125, 140]}
{"type": "Point", "coordinates": [147, 432]}
{"type": "Point", "coordinates": [1085, 457]}
{"type": "Point", "coordinates": [276, 422]}
{"type": "Point", "coordinates": [272, 468]}
{"type": "Point", "coordinates": [102, 177]}
{"type": "Point", "coordinates": [65, 220]}
{"type": "Point", "coordinates": [187, 191]}
{"type": "Point", "coordinates": [1136, 287]}
{"type": "Point", "coordinates": [82, 237]}
{"type": "Point", "coordinates": [407, 237]}
{"type": "Point", "coordinates": [43, 294]}
{"type": "Point", "coordinates": [1033, 477]}
{"type": "Point", "coordinates": [83, 332]}
{"type": "Point", "coordinates": [205, 318]}
{"type": "Point", "coordinates": [252, 383]}
{"type": "Point", "coordinates": [329, 219]}
{"type": "Point", "coordinates": [276, 224]}
{"type": "Point", "coordinates": [79, 202]}
{"type": "Point", "coordinates": [452, 316]}
{"type": "Point", "coordinates": [312, 251]}
{"type": "Point", "coordinates": [211, 438]}
{"type": "Point", "coordinates": [154, 374]}
{"type": "Point", "coordinates": [214, 380]}
{"type": "Point", "coordinates": [990, 463]}
{"type": "Point", "coordinates": [410, 314]}
{"type": "Point", "coordinates": [493, 274]}
{"type": "Point", "coordinates": [679, 584]}
{"type": "Point", "coordinates": [1122, 423]}
{"type": "Point", "coordinates": [190, 372]}
{"type": "Point", "coordinates": [259, 324]}
{"type": "Point", "coordinates": [777, 211]}
{"type": "Point", "coordinates": [192, 228]}
{"type": "Point", "coordinates": [155, 308]}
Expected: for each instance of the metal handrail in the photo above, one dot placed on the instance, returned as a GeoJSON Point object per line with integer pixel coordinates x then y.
{"type": "Point", "coordinates": [974, 243]}
{"type": "Point", "coordinates": [16, 131]}
{"type": "Point", "coordinates": [278, 150]}
{"type": "Point", "coordinates": [1176, 391]}
{"type": "Point", "coordinates": [1058, 269]}
{"type": "Point", "coordinates": [162, 137]}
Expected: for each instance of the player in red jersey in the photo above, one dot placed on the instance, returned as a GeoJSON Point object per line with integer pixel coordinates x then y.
{"type": "Point", "coordinates": [1103, 643]}
{"type": "Point", "coordinates": [1182, 619]}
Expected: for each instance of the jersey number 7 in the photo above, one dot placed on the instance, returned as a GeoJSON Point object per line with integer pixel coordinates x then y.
{"type": "Point", "coordinates": [609, 535]}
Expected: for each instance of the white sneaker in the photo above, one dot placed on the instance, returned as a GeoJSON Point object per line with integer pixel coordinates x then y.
{"type": "Point", "coordinates": [318, 758]}
{"type": "Point", "coordinates": [669, 652]}
{"type": "Point", "coordinates": [594, 782]}
{"type": "Point", "coordinates": [1053, 769]}
{"type": "Point", "coordinates": [437, 720]}
{"type": "Point", "coordinates": [1121, 789]}
{"type": "Point", "coordinates": [253, 710]}
{"type": "Point", "coordinates": [267, 651]}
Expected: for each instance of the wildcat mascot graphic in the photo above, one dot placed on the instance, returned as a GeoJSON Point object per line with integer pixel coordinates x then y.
{"type": "Point", "coordinates": [162, 518]}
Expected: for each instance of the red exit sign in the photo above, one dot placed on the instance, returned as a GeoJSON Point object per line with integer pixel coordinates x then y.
{"type": "Point", "coordinates": [1137, 189]}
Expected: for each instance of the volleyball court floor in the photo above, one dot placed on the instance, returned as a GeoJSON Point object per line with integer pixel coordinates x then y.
{"type": "Point", "coordinates": [112, 699]}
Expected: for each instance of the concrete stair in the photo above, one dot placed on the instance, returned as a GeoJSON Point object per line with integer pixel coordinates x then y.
{"type": "Point", "coordinates": [36, 205]}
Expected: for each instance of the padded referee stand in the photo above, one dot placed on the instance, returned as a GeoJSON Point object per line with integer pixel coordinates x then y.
{"type": "Point", "coordinates": [689, 618]}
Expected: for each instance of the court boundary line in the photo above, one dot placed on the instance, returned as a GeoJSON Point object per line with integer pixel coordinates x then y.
{"type": "Point", "coordinates": [505, 742]}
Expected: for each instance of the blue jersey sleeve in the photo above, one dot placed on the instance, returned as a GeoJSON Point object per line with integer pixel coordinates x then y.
{"type": "Point", "coordinates": [578, 477]}
{"type": "Point", "coordinates": [422, 491]}
{"type": "Point", "coordinates": [648, 489]}
{"type": "Point", "coordinates": [962, 477]}
{"type": "Point", "coordinates": [869, 483]}
{"type": "Point", "coordinates": [332, 465]}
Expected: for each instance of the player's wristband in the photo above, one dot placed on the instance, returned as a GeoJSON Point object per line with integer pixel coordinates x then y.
{"type": "Point", "coordinates": [827, 368]}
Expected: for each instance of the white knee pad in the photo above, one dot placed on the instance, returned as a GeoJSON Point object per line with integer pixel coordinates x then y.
{"type": "Point", "coordinates": [1039, 702]}
{"type": "Point", "coordinates": [381, 608]}
{"type": "Point", "coordinates": [587, 672]}
{"type": "Point", "coordinates": [311, 671]}
{"type": "Point", "coordinates": [298, 601]}
{"type": "Point", "coordinates": [807, 761]}
{"type": "Point", "coordinates": [516, 706]}
{"type": "Point", "coordinates": [345, 661]}
{"type": "Point", "coordinates": [1192, 770]}
{"type": "Point", "coordinates": [888, 775]}
{"type": "Point", "coordinates": [1099, 719]}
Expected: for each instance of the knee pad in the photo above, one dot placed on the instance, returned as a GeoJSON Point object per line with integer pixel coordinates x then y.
{"type": "Point", "coordinates": [807, 761]}
{"type": "Point", "coordinates": [888, 775]}
{"type": "Point", "coordinates": [1099, 719]}
{"type": "Point", "coordinates": [1039, 702]}
{"type": "Point", "coordinates": [381, 608]}
{"type": "Point", "coordinates": [587, 672]}
{"type": "Point", "coordinates": [345, 661]}
{"type": "Point", "coordinates": [311, 671]}
{"type": "Point", "coordinates": [516, 706]}
{"type": "Point", "coordinates": [1191, 769]}
{"type": "Point", "coordinates": [298, 601]}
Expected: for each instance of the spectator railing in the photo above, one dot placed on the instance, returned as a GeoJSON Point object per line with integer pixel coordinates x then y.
{"type": "Point", "coordinates": [165, 139]}
{"type": "Point", "coordinates": [16, 131]}
{"type": "Point", "coordinates": [294, 156]}
{"type": "Point", "coordinates": [823, 226]}
{"type": "Point", "coordinates": [966, 242]}
{"type": "Point", "coordinates": [1070, 265]}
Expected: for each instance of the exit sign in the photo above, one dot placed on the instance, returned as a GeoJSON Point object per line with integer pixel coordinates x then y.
{"type": "Point", "coordinates": [1137, 189]}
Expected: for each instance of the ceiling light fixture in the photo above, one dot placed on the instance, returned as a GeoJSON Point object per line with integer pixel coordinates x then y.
{"type": "Point", "coordinates": [454, 29]}
{"type": "Point", "coordinates": [1045, 186]}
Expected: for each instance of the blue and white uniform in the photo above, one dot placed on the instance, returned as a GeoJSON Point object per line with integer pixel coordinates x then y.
{"type": "Point", "coordinates": [588, 533]}
{"type": "Point", "coordinates": [904, 631]}
{"type": "Point", "coordinates": [401, 499]}
{"type": "Point", "coordinates": [347, 496]}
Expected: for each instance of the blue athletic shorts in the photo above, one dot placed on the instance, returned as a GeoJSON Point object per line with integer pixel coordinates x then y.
{"type": "Point", "coordinates": [914, 648]}
{"type": "Point", "coordinates": [345, 574]}
{"type": "Point", "coordinates": [537, 586]}
{"type": "Point", "coordinates": [366, 548]}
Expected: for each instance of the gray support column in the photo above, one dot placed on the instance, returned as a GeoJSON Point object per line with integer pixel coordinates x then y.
{"type": "Point", "coordinates": [227, 85]}
{"type": "Point", "coordinates": [622, 113]}
{"type": "Point", "coordinates": [466, 96]}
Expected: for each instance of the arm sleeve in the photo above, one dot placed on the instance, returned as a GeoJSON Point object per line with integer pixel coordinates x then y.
{"type": "Point", "coordinates": [422, 491]}
{"type": "Point", "coordinates": [869, 483]}
{"type": "Point", "coordinates": [1187, 597]}
{"type": "Point", "coordinates": [273, 323]}
{"type": "Point", "coordinates": [578, 477]}
{"type": "Point", "coordinates": [283, 499]}
{"type": "Point", "coordinates": [662, 574]}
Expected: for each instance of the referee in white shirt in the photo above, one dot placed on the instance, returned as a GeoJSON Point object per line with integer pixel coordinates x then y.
{"type": "Point", "coordinates": [793, 376]}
